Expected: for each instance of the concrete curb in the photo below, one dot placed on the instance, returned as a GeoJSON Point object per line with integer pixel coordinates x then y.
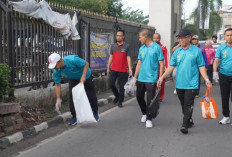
{"type": "Point", "coordinates": [16, 137]}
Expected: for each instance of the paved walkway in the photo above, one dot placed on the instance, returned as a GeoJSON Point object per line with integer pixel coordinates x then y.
{"type": "Point", "coordinates": [121, 134]}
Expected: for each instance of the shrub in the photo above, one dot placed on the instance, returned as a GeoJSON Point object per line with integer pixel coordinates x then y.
{"type": "Point", "coordinates": [5, 86]}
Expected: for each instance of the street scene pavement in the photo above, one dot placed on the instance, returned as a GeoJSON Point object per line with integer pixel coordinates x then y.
{"type": "Point", "coordinates": [119, 133]}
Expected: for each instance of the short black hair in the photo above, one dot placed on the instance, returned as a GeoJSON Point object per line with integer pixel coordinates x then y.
{"type": "Point", "coordinates": [228, 29]}
{"type": "Point", "coordinates": [120, 30]}
{"type": "Point", "coordinates": [214, 36]}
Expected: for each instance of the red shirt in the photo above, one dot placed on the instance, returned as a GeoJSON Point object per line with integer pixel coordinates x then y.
{"type": "Point", "coordinates": [165, 53]}
{"type": "Point", "coordinates": [120, 53]}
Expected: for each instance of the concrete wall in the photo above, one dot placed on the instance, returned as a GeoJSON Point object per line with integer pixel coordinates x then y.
{"type": "Point", "coordinates": [39, 97]}
{"type": "Point", "coordinates": [165, 15]}
{"type": "Point", "coordinates": [47, 96]}
{"type": "Point", "coordinates": [177, 19]}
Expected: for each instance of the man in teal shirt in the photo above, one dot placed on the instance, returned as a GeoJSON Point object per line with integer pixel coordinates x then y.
{"type": "Point", "coordinates": [150, 58]}
{"type": "Point", "coordinates": [188, 61]}
{"type": "Point", "coordinates": [76, 70]}
{"type": "Point", "coordinates": [224, 56]}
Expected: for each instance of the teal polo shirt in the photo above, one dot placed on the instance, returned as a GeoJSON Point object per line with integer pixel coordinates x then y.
{"type": "Point", "coordinates": [73, 69]}
{"type": "Point", "coordinates": [187, 63]}
{"type": "Point", "coordinates": [224, 53]}
{"type": "Point", "coordinates": [150, 57]}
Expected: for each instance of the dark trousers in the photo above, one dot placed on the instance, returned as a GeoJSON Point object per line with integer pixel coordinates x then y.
{"type": "Point", "coordinates": [143, 87]}
{"type": "Point", "coordinates": [122, 79]}
{"type": "Point", "coordinates": [226, 88]}
{"type": "Point", "coordinates": [210, 72]}
{"type": "Point", "coordinates": [186, 97]}
{"type": "Point", "coordinates": [90, 92]}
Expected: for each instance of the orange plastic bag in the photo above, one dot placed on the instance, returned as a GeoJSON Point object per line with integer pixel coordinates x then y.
{"type": "Point", "coordinates": [208, 105]}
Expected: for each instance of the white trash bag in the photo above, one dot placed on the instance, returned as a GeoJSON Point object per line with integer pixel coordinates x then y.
{"type": "Point", "coordinates": [82, 106]}
{"type": "Point", "coordinates": [130, 87]}
{"type": "Point", "coordinates": [41, 10]}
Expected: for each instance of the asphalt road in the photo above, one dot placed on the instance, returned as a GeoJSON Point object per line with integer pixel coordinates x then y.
{"type": "Point", "coordinates": [121, 134]}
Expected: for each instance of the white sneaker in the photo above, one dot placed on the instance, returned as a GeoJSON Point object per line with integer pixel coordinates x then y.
{"type": "Point", "coordinates": [225, 120]}
{"type": "Point", "coordinates": [148, 124]}
{"type": "Point", "coordinates": [144, 118]}
{"type": "Point", "coordinates": [175, 92]}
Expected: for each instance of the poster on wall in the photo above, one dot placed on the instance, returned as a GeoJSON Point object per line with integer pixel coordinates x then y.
{"type": "Point", "coordinates": [99, 50]}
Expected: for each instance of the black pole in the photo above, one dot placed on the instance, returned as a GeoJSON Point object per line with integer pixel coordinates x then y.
{"type": "Point", "coordinates": [10, 45]}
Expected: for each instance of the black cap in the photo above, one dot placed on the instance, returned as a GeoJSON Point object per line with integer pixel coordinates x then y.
{"type": "Point", "coordinates": [184, 33]}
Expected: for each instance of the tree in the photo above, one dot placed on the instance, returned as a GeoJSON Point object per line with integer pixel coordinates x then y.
{"type": "Point", "coordinates": [107, 7]}
{"type": "Point", "coordinates": [73, 3]}
{"type": "Point", "coordinates": [215, 23]}
{"type": "Point", "coordinates": [114, 8]}
{"type": "Point", "coordinates": [204, 9]}
{"type": "Point", "coordinates": [98, 6]}
{"type": "Point", "coordinates": [135, 15]}
{"type": "Point", "coordinates": [192, 28]}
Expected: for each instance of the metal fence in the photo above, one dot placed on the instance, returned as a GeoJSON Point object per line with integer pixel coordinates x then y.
{"type": "Point", "coordinates": [26, 42]}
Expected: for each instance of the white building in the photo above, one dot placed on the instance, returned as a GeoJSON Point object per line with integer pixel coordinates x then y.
{"type": "Point", "coordinates": [226, 14]}
{"type": "Point", "coordinates": [165, 15]}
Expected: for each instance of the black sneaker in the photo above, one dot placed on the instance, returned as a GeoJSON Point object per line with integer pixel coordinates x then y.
{"type": "Point", "coordinates": [190, 123]}
{"type": "Point", "coordinates": [115, 100]}
{"type": "Point", "coordinates": [120, 105]}
{"type": "Point", "coordinates": [184, 130]}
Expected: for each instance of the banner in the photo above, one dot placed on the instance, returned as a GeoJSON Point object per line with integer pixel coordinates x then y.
{"type": "Point", "coordinates": [99, 50]}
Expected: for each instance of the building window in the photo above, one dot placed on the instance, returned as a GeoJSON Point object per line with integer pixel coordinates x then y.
{"type": "Point", "coordinates": [228, 26]}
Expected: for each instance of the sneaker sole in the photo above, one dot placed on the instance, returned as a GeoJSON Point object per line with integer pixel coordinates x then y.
{"type": "Point", "coordinates": [184, 131]}
{"type": "Point", "coordinates": [224, 123]}
{"type": "Point", "coordinates": [73, 123]}
{"type": "Point", "coordinates": [150, 126]}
